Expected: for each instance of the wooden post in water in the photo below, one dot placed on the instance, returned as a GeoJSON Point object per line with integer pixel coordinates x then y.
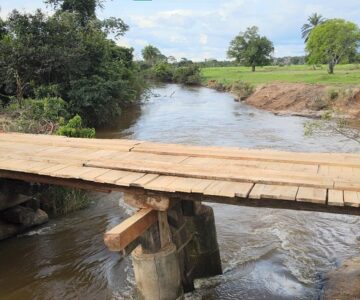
{"type": "Point", "coordinates": [172, 243]}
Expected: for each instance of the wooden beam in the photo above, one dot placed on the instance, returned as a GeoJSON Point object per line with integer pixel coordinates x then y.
{"type": "Point", "coordinates": [141, 199]}
{"type": "Point", "coordinates": [129, 230]}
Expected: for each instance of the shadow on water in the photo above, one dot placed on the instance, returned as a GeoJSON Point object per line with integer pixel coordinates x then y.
{"type": "Point", "coordinates": [266, 253]}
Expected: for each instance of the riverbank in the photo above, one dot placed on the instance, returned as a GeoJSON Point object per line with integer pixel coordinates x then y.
{"type": "Point", "coordinates": [297, 99]}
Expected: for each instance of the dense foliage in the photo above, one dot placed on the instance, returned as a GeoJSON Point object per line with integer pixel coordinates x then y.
{"type": "Point", "coordinates": [332, 42]}
{"type": "Point", "coordinates": [74, 128]}
{"type": "Point", "coordinates": [250, 49]}
{"type": "Point", "coordinates": [69, 55]}
{"type": "Point", "coordinates": [159, 68]}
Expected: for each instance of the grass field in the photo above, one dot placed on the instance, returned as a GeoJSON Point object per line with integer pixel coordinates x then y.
{"type": "Point", "coordinates": [344, 74]}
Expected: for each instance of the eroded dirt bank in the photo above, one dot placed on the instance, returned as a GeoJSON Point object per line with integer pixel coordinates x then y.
{"type": "Point", "coordinates": [307, 99]}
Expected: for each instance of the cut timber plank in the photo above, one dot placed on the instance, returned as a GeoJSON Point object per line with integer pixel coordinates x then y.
{"type": "Point", "coordinates": [229, 189]}
{"type": "Point", "coordinates": [214, 173]}
{"type": "Point", "coordinates": [144, 180]}
{"type": "Point", "coordinates": [129, 230]}
{"type": "Point", "coordinates": [352, 198]}
{"type": "Point", "coordinates": [280, 192]}
{"type": "Point", "coordinates": [313, 195]}
{"type": "Point", "coordinates": [145, 200]}
{"type": "Point", "coordinates": [335, 197]}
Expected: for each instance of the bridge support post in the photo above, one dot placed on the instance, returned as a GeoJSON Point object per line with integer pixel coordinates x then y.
{"type": "Point", "coordinates": [203, 250]}
{"type": "Point", "coordinates": [156, 264]}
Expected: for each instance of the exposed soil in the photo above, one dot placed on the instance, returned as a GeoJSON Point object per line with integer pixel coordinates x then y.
{"type": "Point", "coordinates": [306, 99]}
{"type": "Point", "coordinates": [344, 283]}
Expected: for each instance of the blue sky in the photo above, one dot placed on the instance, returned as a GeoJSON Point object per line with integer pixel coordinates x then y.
{"type": "Point", "coordinates": [199, 29]}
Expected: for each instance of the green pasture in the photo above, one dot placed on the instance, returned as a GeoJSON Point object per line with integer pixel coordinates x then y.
{"type": "Point", "coordinates": [344, 74]}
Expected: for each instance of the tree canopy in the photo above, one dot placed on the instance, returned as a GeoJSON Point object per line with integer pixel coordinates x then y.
{"type": "Point", "coordinates": [250, 49]}
{"type": "Point", "coordinates": [68, 56]}
{"type": "Point", "coordinates": [152, 55]}
{"type": "Point", "coordinates": [313, 21]}
{"type": "Point", "coordinates": [333, 42]}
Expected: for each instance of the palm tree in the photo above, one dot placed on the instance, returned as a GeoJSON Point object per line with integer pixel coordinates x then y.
{"type": "Point", "coordinates": [314, 20]}
{"type": "Point", "coordinates": [151, 54]}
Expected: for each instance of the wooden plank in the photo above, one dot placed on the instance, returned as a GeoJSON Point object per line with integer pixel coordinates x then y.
{"type": "Point", "coordinates": [203, 172]}
{"type": "Point", "coordinates": [352, 198]}
{"type": "Point", "coordinates": [142, 181]}
{"type": "Point", "coordinates": [245, 154]}
{"type": "Point", "coordinates": [129, 179]}
{"type": "Point", "coordinates": [257, 191]}
{"type": "Point", "coordinates": [112, 176]}
{"type": "Point", "coordinates": [313, 195]}
{"type": "Point", "coordinates": [335, 197]}
{"type": "Point", "coordinates": [279, 192]}
{"type": "Point", "coordinates": [117, 238]}
{"type": "Point", "coordinates": [140, 199]}
{"type": "Point", "coordinates": [229, 189]}
{"type": "Point", "coordinates": [161, 184]}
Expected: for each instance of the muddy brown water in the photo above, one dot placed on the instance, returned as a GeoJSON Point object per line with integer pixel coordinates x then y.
{"type": "Point", "coordinates": [266, 253]}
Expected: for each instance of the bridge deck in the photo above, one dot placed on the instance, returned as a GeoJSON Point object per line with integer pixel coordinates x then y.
{"type": "Point", "coordinates": [310, 181]}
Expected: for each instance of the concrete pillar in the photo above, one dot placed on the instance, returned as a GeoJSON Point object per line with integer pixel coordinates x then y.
{"type": "Point", "coordinates": [203, 250]}
{"type": "Point", "coordinates": [157, 274]}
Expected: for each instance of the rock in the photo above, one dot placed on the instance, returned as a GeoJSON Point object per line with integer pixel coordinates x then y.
{"type": "Point", "coordinates": [41, 217]}
{"type": "Point", "coordinates": [8, 200]}
{"type": "Point", "coordinates": [19, 215]}
{"type": "Point", "coordinates": [344, 282]}
{"type": "Point", "coordinates": [7, 230]}
{"type": "Point", "coordinates": [33, 203]}
{"type": "Point", "coordinates": [11, 229]}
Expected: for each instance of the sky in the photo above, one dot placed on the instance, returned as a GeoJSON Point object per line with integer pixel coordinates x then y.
{"type": "Point", "coordinates": [199, 29]}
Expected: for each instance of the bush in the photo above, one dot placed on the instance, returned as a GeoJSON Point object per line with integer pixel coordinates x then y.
{"type": "Point", "coordinates": [162, 72]}
{"type": "Point", "coordinates": [189, 75]}
{"type": "Point", "coordinates": [214, 84]}
{"type": "Point", "coordinates": [319, 103]}
{"type": "Point", "coordinates": [74, 128]}
{"type": "Point", "coordinates": [36, 115]}
{"type": "Point", "coordinates": [333, 95]}
{"type": "Point", "coordinates": [242, 90]}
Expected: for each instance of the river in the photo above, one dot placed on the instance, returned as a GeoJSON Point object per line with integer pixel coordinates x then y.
{"type": "Point", "coordinates": [266, 253]}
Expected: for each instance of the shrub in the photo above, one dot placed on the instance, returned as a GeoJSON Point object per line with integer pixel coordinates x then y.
{"type": "Point", "coordinates": [37, 115]}
{"type": "Point", "coordinates": [74, 128]}
{"type": "Point", "coordinates": [242, 90]}
{"type": "Point", "coordinates": [333, 95]}
{"type": "Point", "coordinates": [214, 84]}
{"type": "Point", "coordinates": [162, 71]}
{"type": "Point", "coordinates": [189, 75]}
{"type": "Point", "coordinates": [319, 103]}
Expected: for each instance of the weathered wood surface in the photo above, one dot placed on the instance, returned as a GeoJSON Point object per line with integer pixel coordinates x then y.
{"type": "Point", "coordinates": [323, 181]}
{"type": "Point", "coordinates": [117, 238]}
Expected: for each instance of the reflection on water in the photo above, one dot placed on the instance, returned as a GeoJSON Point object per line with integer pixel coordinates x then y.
{"type": "Point", "coordinates": [266, 254]}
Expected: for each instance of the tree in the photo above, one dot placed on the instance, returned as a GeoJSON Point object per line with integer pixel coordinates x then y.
{"type": "Point", "coordinates": [85, 8]}
{"type": "Point", "coordinates": [314, 20]}
{"type": "Point", "coordinates": [250, 49]}
{"type": "Point", "coordinates": [152, 54]}
{"type": "Point", "coordinates": [77, 62]}
{"type": "Point", "coordinates": [333, 42]}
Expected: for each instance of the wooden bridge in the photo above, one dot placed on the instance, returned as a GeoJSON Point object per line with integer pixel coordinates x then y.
{"type": "Point", "coordinates": [157, 177]}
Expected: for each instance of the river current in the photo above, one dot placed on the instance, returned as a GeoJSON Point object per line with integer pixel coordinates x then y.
{"type": "Point", "coordinates": [266, 253]}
